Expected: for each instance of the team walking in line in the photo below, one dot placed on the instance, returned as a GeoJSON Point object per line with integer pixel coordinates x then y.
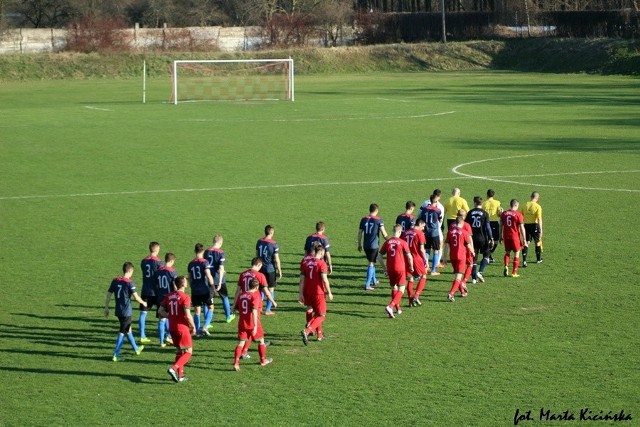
{"type": "Point", "coordinates": [415, 250]}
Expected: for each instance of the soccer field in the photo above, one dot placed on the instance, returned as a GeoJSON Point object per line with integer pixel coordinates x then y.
{"type": "Point", "coordinates": [90, 176]}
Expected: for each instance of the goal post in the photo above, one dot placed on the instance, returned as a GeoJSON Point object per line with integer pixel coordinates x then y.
{"type": "Point", "coordinates": [232, 80]}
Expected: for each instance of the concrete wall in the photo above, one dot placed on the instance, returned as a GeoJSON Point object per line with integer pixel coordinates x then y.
{"type": "Point", "coordinates": [27, 40]}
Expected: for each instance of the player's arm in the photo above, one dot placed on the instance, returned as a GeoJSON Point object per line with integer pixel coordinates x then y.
{"type": "Point", "coordinates": [300, 289]}
{"type": "Point", "coordinates": [207, 272]}
{"type": "Point", "coordinates": [523, 235]}
{"type": "Point", "coordinates": [487, 226]}
{"type": "Point", "coordinates": [267, 293]}
{"type": "Point", "coordinates": [425, 258]}
{"type": "Point", "coordinates": [381, 253]}
{"type": "Point", "coordinates": [138, 299]}
{"type": "Point", "coordinates": [327, 286]}
{"type": "Point", "coordinates": [409, 258]}
{"type": "Point", "coordinates": [254, 315]}
{"type": "Point", "coordinates": [276, 259]}
{"type": "Point", "coordinates": [500, 231]}
{"type": "Point", "coordinates": [384, 232]}
{"type": "Point", "coordinates": [221, 273]}
{"type": "Point", "coordinates": [329, 262]}
{"type": "Point", "coordinates": [162, 311]}
{"type": "Point", "coordinates": [359, 240]}
{"type": "Point", "coordinates": [540, 222]}
{"type": "Point", "coordinates": [189, 318]}
{"type": "Point", "coordinates": [106, 303]}
{"type": "Point", "coordinates": [470, 246]}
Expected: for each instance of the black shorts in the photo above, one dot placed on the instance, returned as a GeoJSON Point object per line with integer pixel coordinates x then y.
{"type": "Point", "coordinates": [223, 292]}
{"type": "Point", "coordinates": [495, 230]}
{"type": "Point", "coordinates": [271, 278]}
{"type": "Point", "coordinates": [433, 242]}
{"type": "Point", "coordinates": [199, 300]}
{"type": "Point", "coordinates": [449, 223]}
{"type": "Point", "coordinates": [151, 301]}
{"type": "Point", "coordinates": [371, 254]}
{"type": "Point", "coordinates": [481, 246]}
{"type": "Point", "coordinates": [532, 232]}
{"type": "Point", "coordinates": [125, 324]}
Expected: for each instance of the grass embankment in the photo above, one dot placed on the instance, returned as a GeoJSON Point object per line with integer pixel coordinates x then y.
{"type": "Point", "coordinates": [541, 55]}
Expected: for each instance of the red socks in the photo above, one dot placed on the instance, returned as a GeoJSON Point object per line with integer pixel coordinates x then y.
{"type": "Point", "coordinates": [262, 352]}
{"type": "Point", "coordinates": [420, 288]}
{"type": "Point", "coordinates": [454, 287]}
{"type": "Point", "coordinates": [507, 259]}
{"type": "Point", "coordinates": [237, 354]}
{"type": "Point", "coordinates": [516, 263]}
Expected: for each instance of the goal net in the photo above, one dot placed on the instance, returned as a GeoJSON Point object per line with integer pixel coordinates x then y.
{"type": "Point", "coordinates": [232, 80]}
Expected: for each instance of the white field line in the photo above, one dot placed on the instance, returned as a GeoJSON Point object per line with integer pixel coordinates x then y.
{"type": "Point", "coordinates": [456, 170]}
{"type": "Point", "coordinates": [96, 108]}
{"type": "Point", "coordinates": [392, 100]}
{"type": "Point", "coordinates": [247, 187]}
{"type": "Point", "coordinates": [459, 175]}
{"type": "Point", "coordinates": [326, 119]}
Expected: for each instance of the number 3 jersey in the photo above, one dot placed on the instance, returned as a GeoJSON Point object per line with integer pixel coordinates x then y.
{"type": "Point", "coordinates": [176, 304]}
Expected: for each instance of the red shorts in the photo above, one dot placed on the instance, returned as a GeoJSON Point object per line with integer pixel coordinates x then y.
{"type": "Point", "coordinates": [397, 277]}
{"type": "Point", "coordinates": [512, 245]}
{"type": "Point", "coordinates": [181, 337]}
{"type": "Point", "coordinates": [318, 303]}
{"type": "Point", "coordinates": [245, 334]}
{"type": "Point", "coordinates": [469, 257]}
{"type": "Point", "coordinates": [459, 265]}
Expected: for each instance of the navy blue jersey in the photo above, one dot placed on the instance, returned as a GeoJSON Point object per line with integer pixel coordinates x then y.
{"type": "Point", "coordinates": [370, 225]}
{"type": "Point", "coordinates": [267, 249]}
{"type": "Point", "coordinates": [163, 280]}
{"type": "Point", "coordinates": [197, 276]}
{"type": "Point", "coordinates": [215, 257]}
{"type": "Point", "coordinates": [432, 217]}
{"type": "Point", "coordinates": [478, 219]}
{"type": "Point", "coordinates": [123, 288]}
{"type": "Point", "coordinates": [317, 237]}
{"type": "Point", "coordinates": [407, 221]}
{"type": "Point", "coordinates": [149, 265]}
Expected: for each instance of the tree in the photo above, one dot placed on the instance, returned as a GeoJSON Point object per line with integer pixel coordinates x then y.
{"type": "Point", "coordinates": [333, 16]}
{"type": "Point", "coordinates": [41, 13]}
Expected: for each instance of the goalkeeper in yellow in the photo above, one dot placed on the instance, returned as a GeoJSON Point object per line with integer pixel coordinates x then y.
{"type": "Point", "coordinates": [532, 213]}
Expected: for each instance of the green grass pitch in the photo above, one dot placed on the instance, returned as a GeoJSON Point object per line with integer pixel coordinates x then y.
{"type": "Point", "coordinates": [90, 175]}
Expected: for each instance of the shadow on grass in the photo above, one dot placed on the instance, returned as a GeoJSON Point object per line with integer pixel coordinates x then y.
{"type": "Point", "coordinates": [554, 145]}
{"type": "Point", "coordinates": [138, 379]}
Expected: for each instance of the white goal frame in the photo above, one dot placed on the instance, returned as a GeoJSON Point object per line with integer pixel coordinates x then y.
{"type": "Point", "coordinates": [289, 92]}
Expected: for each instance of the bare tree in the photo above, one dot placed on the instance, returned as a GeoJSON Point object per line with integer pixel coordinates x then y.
{"type": "Point", "coordinates": [333, 16]}
{"type": "Point", "coordinates": [41, 13]}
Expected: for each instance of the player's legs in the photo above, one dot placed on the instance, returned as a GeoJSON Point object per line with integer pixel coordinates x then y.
{"type": "Point", "coordinates": [197, 309]}
{"type": "Point", "coordinates": [142, 320]}
{"type": "Point", "coordinates": [271, 280]}
{"type": "Point", "coordinates": [226, 305]}
{"type": "Point", "coordinates": [410, 293]}
{"type": "Point", "coordinates": [422, 281]}
{"type": "Point", "coordinates": [208, 316]}
{"type": "Point", "coordinates": [372, 258]}
{"type": "Point", "coordinates": [243, 336]}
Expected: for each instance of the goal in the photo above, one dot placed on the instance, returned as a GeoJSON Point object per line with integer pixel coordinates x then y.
{"type": "Point", "coordinates": [232, 80]}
